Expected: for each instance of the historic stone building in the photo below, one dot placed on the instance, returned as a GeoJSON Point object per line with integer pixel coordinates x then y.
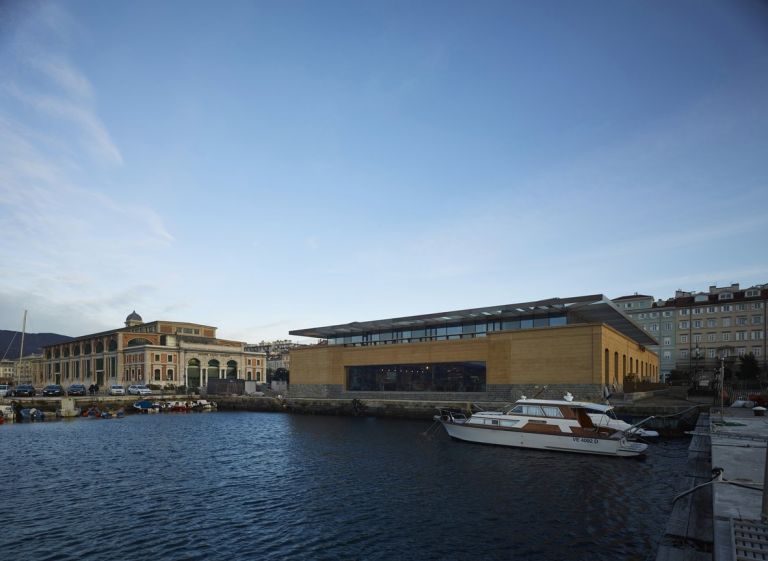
{"type": "Point", "coordinates": [584, 345]}
{"type": "Point", "coordinates": [167, 354]}
{"type": "Point", "coordinates": [657, 317]}
{"type": "Point", "coordinates": [699, 331]}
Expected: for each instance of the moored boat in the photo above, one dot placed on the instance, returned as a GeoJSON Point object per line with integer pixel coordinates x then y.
{"type": "Point", "coordinates": [542, 424]}
{"type": "Point", "coordinates": [146, 406]}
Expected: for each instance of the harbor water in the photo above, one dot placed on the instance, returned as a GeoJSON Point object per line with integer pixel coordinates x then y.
{"type": "Point", "coordinates": [279, 486]}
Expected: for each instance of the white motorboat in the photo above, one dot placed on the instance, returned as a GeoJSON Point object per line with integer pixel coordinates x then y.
{"type": "Point", "coordinates": [542, 424]}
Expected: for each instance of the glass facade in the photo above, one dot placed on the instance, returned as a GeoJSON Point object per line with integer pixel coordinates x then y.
{"type": "Point", "coordinates": [435, 377]}
{"type": "Point", "coordinates": [467, 330]}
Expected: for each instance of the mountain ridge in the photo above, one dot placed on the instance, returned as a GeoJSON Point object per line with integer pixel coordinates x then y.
{"type": "Point", "coordinates": [10, 343]}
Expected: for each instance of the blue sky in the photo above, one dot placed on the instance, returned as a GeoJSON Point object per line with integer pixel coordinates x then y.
{"type": "Point", "coordinates": [269, 166]}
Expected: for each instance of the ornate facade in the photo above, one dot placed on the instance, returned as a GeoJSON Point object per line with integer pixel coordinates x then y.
{"type": "Point", "coordinates": [166, 354]}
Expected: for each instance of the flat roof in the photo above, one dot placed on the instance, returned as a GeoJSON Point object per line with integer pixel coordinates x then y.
{"type": "Point", "coordinates": [594, 308]}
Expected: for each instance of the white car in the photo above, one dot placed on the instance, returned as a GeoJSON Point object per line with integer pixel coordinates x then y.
{"type": "Point", "coordinates": [139, 389]}
{"type": "Point", "coordinates": [5, 389]}
{"type": "Point", "coordinates": [116, 390]}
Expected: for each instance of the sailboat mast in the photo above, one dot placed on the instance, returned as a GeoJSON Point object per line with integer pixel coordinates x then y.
{"type": "Point", "coordinates": [21, 349]}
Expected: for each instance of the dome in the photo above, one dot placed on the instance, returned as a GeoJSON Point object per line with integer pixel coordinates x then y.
{"type": "Point", "coordinates": [134, 317]}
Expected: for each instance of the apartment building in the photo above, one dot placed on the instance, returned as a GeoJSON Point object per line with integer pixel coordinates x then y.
{"type": "Point", "coordinates": [700, 331]}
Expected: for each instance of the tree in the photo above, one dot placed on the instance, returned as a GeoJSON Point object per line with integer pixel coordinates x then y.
{"type": "Point", "coordinates": [749, 369]}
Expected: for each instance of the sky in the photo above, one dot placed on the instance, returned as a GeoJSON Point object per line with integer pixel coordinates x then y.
{"type": "Point", "coordinates": [266, 166]}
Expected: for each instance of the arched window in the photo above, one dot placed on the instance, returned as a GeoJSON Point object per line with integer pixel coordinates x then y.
{"type": "Point", "coordinates": [157, 374]}
{"type": "Point", "coordinates": [193, 373]}
{"type": "Point", "coordinates": [112, 344]}
{"type": "Point", "coordinates": [138, 342]}
{"type": "Point", "coordinates": [607, 367]}
{"type": "Point", "coordinates": [87, 348]}
{"type": "Point", "coordinates": [231, 370]}
{"type": "Point", "coordinates": [169, 374]}
{"type": "Point", "coordinates": [616, 368]}
{"type": "Point", "coordinates": [213, 369]}
{"type": "Point", "coordinates": [99, 346]}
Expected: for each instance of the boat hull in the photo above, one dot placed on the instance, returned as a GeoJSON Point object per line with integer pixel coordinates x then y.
{"type": "Point", "coordinates": [541, 441]}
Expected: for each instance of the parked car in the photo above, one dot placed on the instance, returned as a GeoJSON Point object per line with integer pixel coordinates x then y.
{"type": "Point", "coordinates": [139, 389]}
{"type": "Point", "coordinates": [76, 389]}
{"type": "Point", "coordinates": [5, 390]}
{"type": "Point", "coordinates": [52, 390]}
{"type": "Point", "coordinates": [24, 390]}
{"type": "Point", "coordinates": [116, 390]}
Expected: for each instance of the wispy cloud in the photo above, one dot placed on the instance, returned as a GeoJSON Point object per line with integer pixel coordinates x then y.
{"type": "Point", "coordinates": [61, 72]}
{"type": "Point", "coordinates": [89, 127]}
{"type": "Point", "coordinates": [64, 234]}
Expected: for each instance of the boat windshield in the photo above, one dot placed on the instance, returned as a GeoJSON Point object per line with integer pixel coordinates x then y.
{"type": "Point", "coordinates": [537, 410]}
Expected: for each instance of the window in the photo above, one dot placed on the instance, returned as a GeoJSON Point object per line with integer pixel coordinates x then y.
{"type": "Point", "coordinates": [726, 336]}
{"type": "Point", "coordinates": [711, 309]}
{"type": "Point", "coordinates": [684, 353]}
{"type": "Point", "coordinates": [157, 358]}
{"type": "Point", "coordinates": [697, 324]}
{"type": "Point", "coordinates": [726, 322]}
{"type": "Point", "coordinates": [684, 325]}
{"type": "Point", "coordinates": [683, 338]}
{"type": "Point", "coordinates": [157, 374]}
{"type": "Point", "coordinates": [741, 335]}
{"type": "Point", "coordinates": [726, 296]}
{"type": "Point", "coordinates": [169, 374]}
{"type": "Point", "coordinates": [170, 358]}
{"type": "Point", "coordinates": [711, 322]}
{"type": "Point", "coordinates": [684, 312]}
{"type": "Point", "coordinates": [757, 320]}
{"type": "Point", "coordinates": [697, 338]}
{"type": "Point", "coordinates": [751, 293]}
{"type": "Point", "coordinates": [667, 341]}
{"type": "Point", "coordinates": [757, 305]}
{"type": "Point", "coordinates": [741, 320]}
{"type": "Point", "coordinates": [667, 355]}
{"type": "Point", "coordinates": [696, 311]}
{"type": "Point", "coordinates": [668, 326]}
{"type": "Point", "coordinates": [466, 376]}
{"type": "Point", "coordinates": [654, 327]}
{"type": "Point", "coordinates": [711, 337]}
{"type": "Point", "coordinates": [741, 351]}
{"type": "Point", "coordinates": [550, 411]}
{"type": "Point", "coordinates": [667, 314]}
{"type": "Point", "coordinates": [726, 308]}
{"type": "Point", "coordinates": [756, 335]}
{"type": "Point", "coordinates": [756, 351]}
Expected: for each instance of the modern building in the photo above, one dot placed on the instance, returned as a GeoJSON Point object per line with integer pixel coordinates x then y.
{"type": "Point", "coordinates": [582, 345]}
{"type": "Point", "coordinates": [167, 354]}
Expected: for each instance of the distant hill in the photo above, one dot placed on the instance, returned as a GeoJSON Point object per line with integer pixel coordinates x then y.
{"type": "Point", "coordinates": [10, 343]}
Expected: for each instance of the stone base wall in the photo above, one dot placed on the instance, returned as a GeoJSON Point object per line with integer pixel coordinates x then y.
{"type": "Point", "coordinates": [498, 393]}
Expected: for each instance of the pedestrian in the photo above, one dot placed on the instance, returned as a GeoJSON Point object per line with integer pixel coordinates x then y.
{"type": "Point", "coordinates": [90, 389]}
{"type": "Point", "coordinates": [96, 389]}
